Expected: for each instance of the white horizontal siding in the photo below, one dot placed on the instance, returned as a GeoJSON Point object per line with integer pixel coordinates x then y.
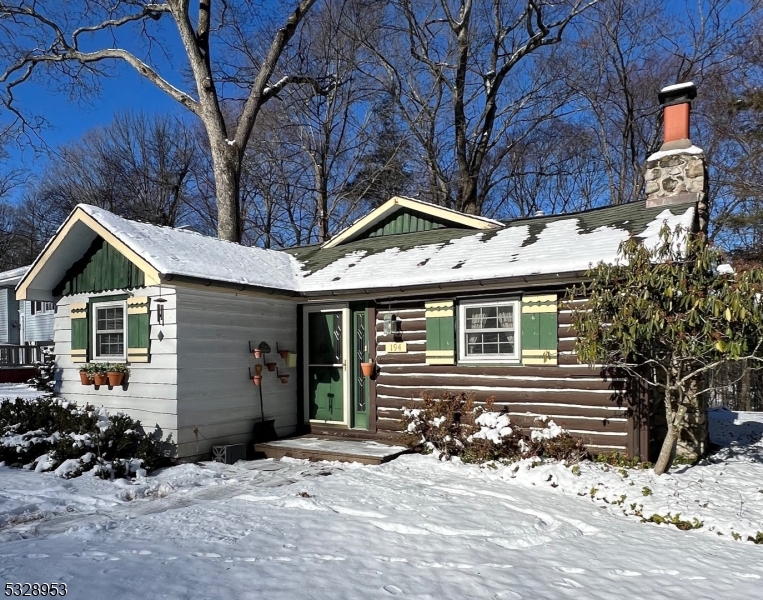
{"type": "Point", "coordinates": [217, 402]}
{"type": "Point", "coordinates": [4, 322]}
{"type": "Point", "coordinates": [150, 394]}
{"type": "Point", "coordinates": [39, 327]}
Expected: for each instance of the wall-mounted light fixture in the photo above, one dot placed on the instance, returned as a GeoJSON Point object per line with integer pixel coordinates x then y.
{"type": "Point", "coordinates": [391, 324]}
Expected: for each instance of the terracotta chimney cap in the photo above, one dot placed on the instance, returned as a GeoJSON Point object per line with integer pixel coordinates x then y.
{"type": "Point", "coordinates": [680, 93]}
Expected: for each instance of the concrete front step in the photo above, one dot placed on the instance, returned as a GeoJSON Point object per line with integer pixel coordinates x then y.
{"type": "Point", "coordinates": [312, 447]}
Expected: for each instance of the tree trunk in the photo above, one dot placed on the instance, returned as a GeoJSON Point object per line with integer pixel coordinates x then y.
{"type": "Point", "coordinates": [668, 450]}
{"type": "Point", "coordinates": [227, 169]}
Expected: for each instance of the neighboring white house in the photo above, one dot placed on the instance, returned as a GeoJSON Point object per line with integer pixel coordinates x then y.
{"type": "Point", "coordinates": [10, 322]}
{"type": "Point", "coordinates": [23, 322]}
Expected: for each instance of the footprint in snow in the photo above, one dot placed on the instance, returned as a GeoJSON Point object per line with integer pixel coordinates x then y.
{"type": "Point", "coordinates": [393, 589]}
{"type": "Point", "coordinates": [572, 570]}
{"type": "Point", "coordinates": [206, 555]}
{"type": "Point", "coordinates": [625, 573]}
{"type": "Point", "coordinates": [508, 595]}
{"type": "Point", "coordinates": [568, 583]}
{"type": "Point", "coordinates": [664, 572]}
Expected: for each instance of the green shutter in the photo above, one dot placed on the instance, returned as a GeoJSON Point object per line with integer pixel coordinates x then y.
{"type": "Point", "coordinates": [138, 329]}
{"type": "Point", "coordinates": [539, 330]}
{"type": "Point", "coordinates": [440, 333]}
{"type": "Point", "coordinates": [78, 314]}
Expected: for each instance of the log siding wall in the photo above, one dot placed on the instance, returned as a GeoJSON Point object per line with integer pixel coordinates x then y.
{"type": "Point", "coordinates": [585, 401]}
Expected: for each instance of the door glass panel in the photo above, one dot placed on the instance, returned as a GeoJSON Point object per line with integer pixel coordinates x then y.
{"type": "Point", "coordinates": [325, 338]}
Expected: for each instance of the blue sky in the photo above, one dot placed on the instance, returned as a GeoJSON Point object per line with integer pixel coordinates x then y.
{"type": "Point", "coordinates": [70, 119]}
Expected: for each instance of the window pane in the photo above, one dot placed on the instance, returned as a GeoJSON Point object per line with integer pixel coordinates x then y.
{"type": "Point", "coordinates": [110, 319]}
{"type": "Point", "coordinates": [473, 318]}
{"type": "Point", "coordinates": [506, 317]}
{"type": "Point", "coordinates": [110, 344]}
{"type": "Point", "coordinates": [489, 331]}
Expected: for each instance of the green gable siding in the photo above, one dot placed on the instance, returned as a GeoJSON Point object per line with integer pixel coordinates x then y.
{"type": "Point", "coordinates": [101, 268]}
{"type": "Point", "coordinates": [404, 221]}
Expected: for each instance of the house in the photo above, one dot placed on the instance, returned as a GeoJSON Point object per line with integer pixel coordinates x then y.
{"type": "Point", "coordinates": [25, 328]}
{"type": "Point", "coordinates": [438, 300]}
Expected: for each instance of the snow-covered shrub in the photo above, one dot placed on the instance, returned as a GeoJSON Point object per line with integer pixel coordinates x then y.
{"type": "Point", "coordinates": [46, 368]}
{"type": "Point", "coordinates": [53, 434]}
{"type": "Point", "coordinates": [453, 425]}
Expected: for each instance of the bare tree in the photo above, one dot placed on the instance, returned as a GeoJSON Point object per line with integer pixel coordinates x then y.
{"type": "Point", "coordinates": [629, 50]}
{"type": "Point", "coordinates": [76, 45]}
{"type": "Point", "coordinates": [138, 166]}
{"type": "Point", "coordinates": [473, 79]}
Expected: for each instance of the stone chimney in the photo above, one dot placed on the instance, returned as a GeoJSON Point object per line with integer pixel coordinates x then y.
{"type": "Point", "coordinates": [677, 174]}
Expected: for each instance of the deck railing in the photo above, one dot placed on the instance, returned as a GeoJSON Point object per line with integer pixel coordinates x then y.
{"type": "Point", "coordinates": [20, 356]}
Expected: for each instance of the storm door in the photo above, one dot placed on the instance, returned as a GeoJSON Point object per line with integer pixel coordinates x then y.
{"type": "Point", "coordinates": [327, 331]}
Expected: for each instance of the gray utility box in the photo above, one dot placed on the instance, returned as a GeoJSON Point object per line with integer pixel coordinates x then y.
{"type": "Point", "coordinates": [229, 454]}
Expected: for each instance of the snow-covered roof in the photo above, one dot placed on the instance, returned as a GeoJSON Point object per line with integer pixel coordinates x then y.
{"type": "Point", "coordinates": [550, 245]}
{"type": "Point", "coordinates": [13, 276]}
{"type": "Point", "coordinates": [185, 253]}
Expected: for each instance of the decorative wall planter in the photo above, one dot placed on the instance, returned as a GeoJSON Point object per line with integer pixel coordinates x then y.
{"type": "Point", "coordinates": [283, 354]}
{"type": "Point", "coordinates": [115, 378]}
{"type": "Point", "coordinates": [271, 366]}
{"type": "Point", "coordinates": [85, 378]}
{"type": "Point", "coordinates": [367, 368]}
{"type": "Point", "coordinates": [100, 379]}
{"type": "Point", "coordinates": [284, 377]}
{"type": "Point", "coordinates": [256, 379]}
{"type": "Point", "coordinates": [257, 353]}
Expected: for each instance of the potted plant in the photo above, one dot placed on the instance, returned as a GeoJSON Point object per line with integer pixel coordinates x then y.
{"type": "Point", "coordinates": [367, 368]}
{"type": "Point", "coordinates": [99, 371]}
{"type": "Point", "coordinates": [271, 366]}
{"type": "Point", "coordinates": [116, 373]}
{"type": "Point", "coordinates": [85, 376]}
{"type": "Point", "coordinates": [256, 379]}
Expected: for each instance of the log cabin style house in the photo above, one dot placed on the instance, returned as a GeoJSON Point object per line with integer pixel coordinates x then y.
{"type": "Point", "coordinates": [437, 300]}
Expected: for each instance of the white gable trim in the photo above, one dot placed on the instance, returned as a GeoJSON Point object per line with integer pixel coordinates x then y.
{"type": "Point", "coordinates": [397, 202]}
{"type": "Point", "coordinates": [151, 274]}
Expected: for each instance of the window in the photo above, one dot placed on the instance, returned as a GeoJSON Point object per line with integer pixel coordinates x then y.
{"type": "Point", "coordinates": [109, 335]}
{"type": "Point", "coordinates": [41, 308]}
{"type": "Point", "coordinates": [489, 331]}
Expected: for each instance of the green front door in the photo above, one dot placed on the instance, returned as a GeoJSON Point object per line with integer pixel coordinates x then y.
{"type": "Point", "coordinates": [325, 365]}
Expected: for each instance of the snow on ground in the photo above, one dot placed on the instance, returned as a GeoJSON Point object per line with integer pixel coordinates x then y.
{"type": "Point", "coordinates": [18, 390]}
{"type": "Point", "coordinates": [723, 495]}
{"type": "Point", "coordinates": [413, 528]}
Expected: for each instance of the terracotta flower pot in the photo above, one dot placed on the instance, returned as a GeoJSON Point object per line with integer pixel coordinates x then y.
{"type": "Point", "coordinates": [271, 366]}
{"type": "Point", "coordinates": [84, 377]}
{"type": "Point", "coordinates": [115, 378]}
{"type": "Point", "coordinates": [256, 379]}
{"type": "Point", "coordinates": [257, 353]}
{"type": "Point", "coordinates": [284, 379]}
{"type": "Point", "coordinates": [100, 379]}
{"type": "Point", "coordinates": [367, 368]}
{"type": "Point", "coordinates": [283, 354]}
{"type": "Point", "coordinates": [258, 369]}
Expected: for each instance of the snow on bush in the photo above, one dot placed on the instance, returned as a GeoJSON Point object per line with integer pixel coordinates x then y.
{"type": "Point", "coordinates": [51, 434]}
{"type": "Point", "coordinates": [46, 368]}
{"type": "Point", "coordinates": [454, 425]}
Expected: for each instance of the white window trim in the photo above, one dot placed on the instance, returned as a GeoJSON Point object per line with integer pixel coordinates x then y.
{"type": "Point", "coordinates": [490, 358]}
{"type": "Point", "coordinates": [43, 310]}
{"type": "Point", "coordinates": [94, 320]}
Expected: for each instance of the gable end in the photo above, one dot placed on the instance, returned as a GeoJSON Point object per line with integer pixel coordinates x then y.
{"type": "Point", "coordinates": [101, 268]}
